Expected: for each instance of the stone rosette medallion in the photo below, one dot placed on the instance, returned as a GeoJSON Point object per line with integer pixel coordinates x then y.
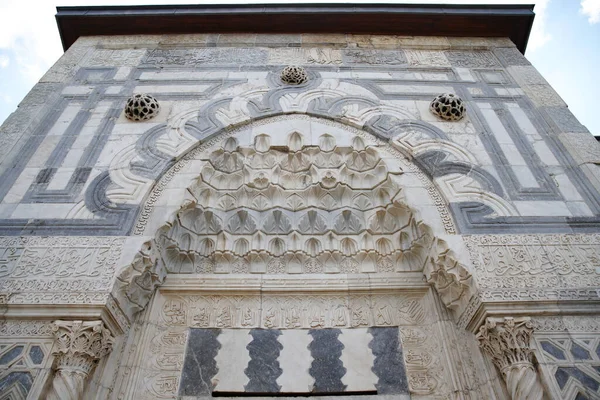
{"type": "Point", "coordinates": [448, 106]}
{"type": "Point", "coordinates": [294, 75]}
{"type": "Point", "coordinates": [141, 107]}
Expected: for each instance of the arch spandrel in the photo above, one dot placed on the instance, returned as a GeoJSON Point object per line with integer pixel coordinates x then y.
{"type": "Point", "coordinates": [293, 196]}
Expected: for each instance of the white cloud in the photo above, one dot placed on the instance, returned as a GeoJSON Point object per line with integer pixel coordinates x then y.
{"type": "Point", "coordinates": [591, 8]}
{"type": "Point", "coordinates": [4, 61]}
{"type": "Point", "coordinates": [539, 36]}
{"type": "Point", "coordinates": [34, 46]}
{"type": "Point", "coordinates": [6, 98]}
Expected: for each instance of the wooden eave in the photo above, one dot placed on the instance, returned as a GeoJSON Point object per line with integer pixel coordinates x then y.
{"type": "Point", "coordinates": [512, 21]}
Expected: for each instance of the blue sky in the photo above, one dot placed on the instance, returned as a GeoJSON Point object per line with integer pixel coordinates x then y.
{"type": "Point", "coordinates": [564, 46]}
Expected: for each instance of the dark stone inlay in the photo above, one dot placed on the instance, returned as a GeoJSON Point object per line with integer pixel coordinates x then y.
{"type": "Point", "coordinates": [199, 365]}
{"type": "Point", "coordinates": [263, 368]}
{"type": "Point", "coordinates": [327, 368]}
{"type": "Point", "coordinates": [45, 175]}
{"type": "Point", "coordinates": [581, 396]}
{"type": "Point", "coordinates": [81, 175]}
{"type": "Point", "coordinates": [562, 376]}
{"type": "Point", "coordinates": [579, 353]}
{"type": "Point", "coordinates": [18, 382]}
{"type": "Point", "coordinates": [36, 354]}
{"type": "Point", "coordinates": [388, 364]}
{"type": "Point", "coordinates": [554, 351]}
{"type": "Point", "coordinates": [11, 355]}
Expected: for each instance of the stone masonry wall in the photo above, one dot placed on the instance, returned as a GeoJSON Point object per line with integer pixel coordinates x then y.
{"type": "Point", "coordinates": [296, 227]}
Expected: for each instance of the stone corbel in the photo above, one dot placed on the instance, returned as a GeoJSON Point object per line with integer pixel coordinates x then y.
{"type": "Point", "coordinates": [506, 340]}
{"type": "Point", "coordinates": [453, 282]}
{"type": "Point", "coordinates": [136, 284]}
{"type": "Point", "coordinates": [78, 347]}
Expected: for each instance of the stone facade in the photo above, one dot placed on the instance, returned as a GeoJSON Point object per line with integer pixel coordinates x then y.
{"type": "Point", "coordinates": [326, 235]}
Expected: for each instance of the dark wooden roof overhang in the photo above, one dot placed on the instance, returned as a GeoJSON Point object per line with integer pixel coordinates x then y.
{"type": "Point", "coordinates": [512, 21]}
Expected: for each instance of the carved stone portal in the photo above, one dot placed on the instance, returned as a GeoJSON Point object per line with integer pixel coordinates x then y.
{"type": "Point", "coordinates": [78, 347]}
{"type": "Point", "coordinates": [295, 209]}
{"type": "Point", "coordinates": [506, 341]}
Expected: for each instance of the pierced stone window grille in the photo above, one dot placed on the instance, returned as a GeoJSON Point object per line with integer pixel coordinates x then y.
{"type": "Point", "coordinates": [294, 75]}
{"type": "Point", "coordinates": [141, 107]}
{"type": "Point", "coordinates": [448, 106]}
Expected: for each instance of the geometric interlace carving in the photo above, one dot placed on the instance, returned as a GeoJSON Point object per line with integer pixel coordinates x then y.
{"type": "Point", "coordinates": [573, 365]}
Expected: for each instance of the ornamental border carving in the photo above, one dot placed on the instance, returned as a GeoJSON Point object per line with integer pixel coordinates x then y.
{"type": "Point", "coordinates": [57, 264]}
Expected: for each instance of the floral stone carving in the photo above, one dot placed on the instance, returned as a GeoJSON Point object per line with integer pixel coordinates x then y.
{"type": "Point", "coordinates": [506, 340]}
{"type": "Point", "coordinates": [141, 107]}
{"type": "Point", "coordinates": [78, 347]}
{"type": "Point", "coordinates": [294, 75]}
{"type": "Point", "coordinates": [448, 106]}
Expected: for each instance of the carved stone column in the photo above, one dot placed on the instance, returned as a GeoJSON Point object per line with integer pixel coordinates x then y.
{"type": "Point", "coordinates": [506, 341]}
{"type": "Point", "coordinates": [78, 347]}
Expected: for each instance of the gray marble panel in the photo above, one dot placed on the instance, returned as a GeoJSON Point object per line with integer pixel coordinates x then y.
{"type": "Point", "coordinates": [389, 363]}
{"type": "Point", "coordinates": [199, 365]}
{"type": "Point", "coordinates": [18, 384]}
{"type": "Point", "coordinates": [327, 369]}
{"type": "Point", "coordinates": [263, 368]}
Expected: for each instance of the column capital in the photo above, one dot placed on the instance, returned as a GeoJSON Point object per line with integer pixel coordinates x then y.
{"type": "Point", "coordinates": [506, 340]}
{"type": "Point", "coordinates": [80, 344]}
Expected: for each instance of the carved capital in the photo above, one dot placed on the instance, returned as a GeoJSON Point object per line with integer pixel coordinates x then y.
{"type": "Point", "coordinates": [506, 341]}
{"type": "Point", "coordinates": [78, 347]}
{"type": "Point", "coordinates": [80, 344]}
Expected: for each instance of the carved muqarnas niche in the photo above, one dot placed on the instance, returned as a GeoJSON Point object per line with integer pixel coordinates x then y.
{"type": "Point", "coordinates": [298, 208]}
{"type": "Point", "coordinates": [141, 107]}
{"type": "Point", "coordinates": [448, 106]}
{"type": "Point", "coordinates": [294, 75]}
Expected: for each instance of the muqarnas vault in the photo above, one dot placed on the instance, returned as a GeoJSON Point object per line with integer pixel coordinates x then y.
{"type": "Point", "coordinates": [300, 208]}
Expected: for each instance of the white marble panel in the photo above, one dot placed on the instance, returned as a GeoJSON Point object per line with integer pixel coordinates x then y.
{"type": "Point", "coordinates": [295, 361]}
{"type": "Point", "coordinates": [416, 89]}
{"type": "Point", "coordinates": [20, 187]}
{"type": "Point", "coordinates": [542, 208]}
{"type": "Point", "coordinates": [65, 119]}
{"type": "Point", "coordinates": [232, 360]}
{"type": "Point", "coordinates": [157, 89]}
{"type": "Point", "coordinates": [465, 74]}
{"type": "Point", "coordinates": [358, 360]}
{"type": "Point", "coordinates": [182, 75]}
{"type": "Point", "coordinates": [510, 150]}
{"type": "Point", "coordinates": [48, 211]}
{"type": "Point", "coordinates": [77, 90]}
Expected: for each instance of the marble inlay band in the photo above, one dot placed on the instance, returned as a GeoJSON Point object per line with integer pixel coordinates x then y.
{"type": "Point", "coordinates": [388, 364]}
{"type": "Point", "coordinates": [327, 367]}
{"type": "Point", "coordinates": [263, 368]}
{"type": "Point", "coordinates": [199, 366]}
